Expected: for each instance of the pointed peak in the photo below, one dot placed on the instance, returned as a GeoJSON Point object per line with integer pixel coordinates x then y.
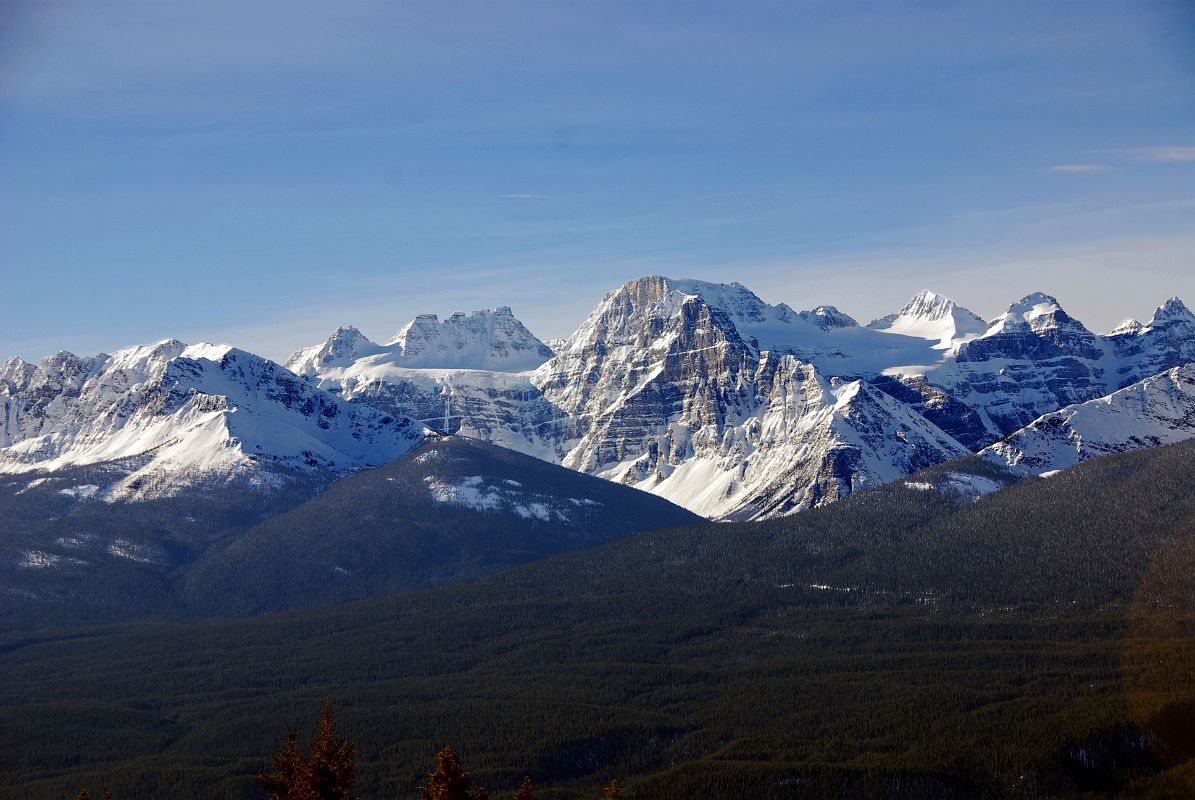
{"type": "Point", "coordinates": [1173, 310]}
{"type": "Point", "coordinates": [345, 345]}
{"type": "Point", "coordinates": [928, 305]}
{"type": "Point", "coordinates": [933, 316]}
{"type": "Point", "coordinates": [1038, 312]}
{"type": "Point", "coordinates": [345, 336]}
{"type": "Point", "coordinates": [1126, 327]}
{"type": "Point", "coordinates": [15, 368]}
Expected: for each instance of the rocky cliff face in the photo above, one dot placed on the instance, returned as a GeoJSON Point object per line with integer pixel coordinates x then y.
{"type": "Point", "coordinates": [1155, 411]}
{"type": "Point", "coordinates": [663, 392]}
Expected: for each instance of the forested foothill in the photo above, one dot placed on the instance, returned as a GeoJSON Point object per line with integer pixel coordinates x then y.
{"type": "Point", "coordinates": [910, 641]}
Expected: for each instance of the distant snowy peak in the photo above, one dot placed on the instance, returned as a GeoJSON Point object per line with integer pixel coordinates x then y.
{"type": "Point", "coordinates": [487, 340]}
{"type": "Point", "coordinates": [1035, 327]}
{"type": "Point", "coordinates": [827, 317]}
{"type": "Point", "coordinates": [1158, 410]}
{"type": "Point", "coordinates": [934, 317]}
{"type": "Point", "coordinates": [343, 347]}
{"type": "Point", "coordinates": [484, 340]}
{"type": "Point", "coordinates": [1036, 312]}
{"type": "Point", "coordinates": [1127, 327]}
{"type": "Point", "coordinates": [1172, 312]}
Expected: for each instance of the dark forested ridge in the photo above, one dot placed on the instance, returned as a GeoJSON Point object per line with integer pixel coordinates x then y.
{"type": "Point", "coordinates": [906, 642]}
{"type": "Point", "coordinates": [68, 557]}
{"type": "Point", "coordinates": [383, 531]}
{"type": "Point", "coordinates": [229, 551]}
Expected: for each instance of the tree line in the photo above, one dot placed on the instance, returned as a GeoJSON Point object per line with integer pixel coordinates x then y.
{"type": "Point", "coordinates": [329, 771]}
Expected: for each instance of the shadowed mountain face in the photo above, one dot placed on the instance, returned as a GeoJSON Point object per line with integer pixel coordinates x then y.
{"type": "Point", "coordinates": [453, 510]}
{"type": "Point", "coordinates": [1158, 410]}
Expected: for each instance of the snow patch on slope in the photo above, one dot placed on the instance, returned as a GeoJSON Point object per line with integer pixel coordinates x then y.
{"type": "Point", "coordinates": [483, 494]}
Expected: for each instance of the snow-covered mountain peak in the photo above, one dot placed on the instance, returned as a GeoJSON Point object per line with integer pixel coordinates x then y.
{"type": "Point", "coordinates": [147, 358]}
{"type": "Point", "coordinates": [934, 317]}
{"type": "Point", "coordinates": [1171, 312]}
{"type": "Point", "coordinates": [1033, 311]}
{"type": "Point", "coordinates": [492, 339]}
{"type": "Point", "coordinates": [1035, 328]}
{"type": "Point", "coordinates": [343, 347]}
{"type": "Point", "coordinates": [827, 317]}
{"type": "Point", "coordinates": [15, 370]}
{"type": "Point", "coordinates": [743, 306]}
{"type": "Point", "coordinates": [928, 300]}
{"type": "Point", "coordinates": [929, 305]}
{"type": "Point", "coordinates": [1126, 327]}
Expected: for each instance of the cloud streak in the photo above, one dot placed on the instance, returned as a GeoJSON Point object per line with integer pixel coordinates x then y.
{"type": "Point", "coordinates": [1161, 154]}
{"type": "Point", "coordinates": [1077, 169]}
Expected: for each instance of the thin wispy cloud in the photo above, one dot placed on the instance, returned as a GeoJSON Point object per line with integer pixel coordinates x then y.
{"type": "Point", "coordinates": [1077, 169]}
{"type": "Point", "coordinates": [1161, 154]}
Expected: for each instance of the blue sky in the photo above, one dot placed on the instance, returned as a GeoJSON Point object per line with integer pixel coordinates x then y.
{"type": "Point", "coordinates": [258, 173]}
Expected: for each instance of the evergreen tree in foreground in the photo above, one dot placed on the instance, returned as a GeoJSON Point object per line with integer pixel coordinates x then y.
{"type": "Point", "coordinates": [613, 791]}
{"type": "Point", "coordinates": [449, 781]}
{"type": "Point", "coordinates": [526, 791]}
{"type": "Point", "coordinates": [327, 774]}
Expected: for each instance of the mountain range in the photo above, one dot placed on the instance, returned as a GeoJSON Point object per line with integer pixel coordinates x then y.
{"type": "Point", "coordinates": [701, 393]}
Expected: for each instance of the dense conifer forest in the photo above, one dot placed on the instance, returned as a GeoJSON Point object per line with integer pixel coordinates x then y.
{"type": "Point", "coordinates": [1035, 642]}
